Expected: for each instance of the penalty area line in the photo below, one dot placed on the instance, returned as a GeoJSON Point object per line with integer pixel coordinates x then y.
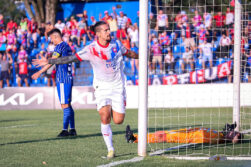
{"type": "Point", "coordinates": [136, 159]}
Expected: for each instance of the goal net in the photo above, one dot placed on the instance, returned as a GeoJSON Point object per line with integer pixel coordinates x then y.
{"type": "Point", "coordinates": [199, 78]}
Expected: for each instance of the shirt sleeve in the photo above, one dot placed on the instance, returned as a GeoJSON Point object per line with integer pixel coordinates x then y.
{"type": "Point", "coordinates": [84, 54]}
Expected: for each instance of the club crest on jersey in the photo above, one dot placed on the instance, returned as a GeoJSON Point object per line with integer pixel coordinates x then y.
{"type": "Point", "coordinates": [114, 50]}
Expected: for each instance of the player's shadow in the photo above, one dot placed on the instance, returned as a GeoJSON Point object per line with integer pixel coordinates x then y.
{"type": "Point", "coordinates": [60, 138]}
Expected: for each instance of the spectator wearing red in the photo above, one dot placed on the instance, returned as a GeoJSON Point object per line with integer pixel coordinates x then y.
{"type": "Point", "coordinates": [219, 22]}
{"type": "Point", "coordinates": [72, 22]}
{"type": "Point", "coordinates": [121, 34]}
{"type": "Point", "coordinates": [11, 25]}
{"type": "Point", "coordinates": [105, 18]}
{"type": "Point", "coordinates": [23, 67]}
{"type": "Point", "coordinates": [189, 36]}
{"type": "Point", "coordinates": [32, 25]}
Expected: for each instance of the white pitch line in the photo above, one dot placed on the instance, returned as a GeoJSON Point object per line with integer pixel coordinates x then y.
{"type": "Point", "coordinates": [207, 158]}
{"type": "Point", "coordinates": [18, 126]}
{"type": "Point", "coordinates": [136, 159]}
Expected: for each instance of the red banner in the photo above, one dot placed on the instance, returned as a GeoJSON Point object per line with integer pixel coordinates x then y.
{"type": "Point", "coordinates": [199, 76]}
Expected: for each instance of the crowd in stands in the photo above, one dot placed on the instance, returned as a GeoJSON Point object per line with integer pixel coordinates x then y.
{"type": "Point", "coordinates": [177, 44]}
{"type": "Point", "coordinates": [185, 42]}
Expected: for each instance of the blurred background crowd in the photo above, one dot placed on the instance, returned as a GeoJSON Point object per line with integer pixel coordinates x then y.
{"type": "Point", "coordinates": [178, 43]}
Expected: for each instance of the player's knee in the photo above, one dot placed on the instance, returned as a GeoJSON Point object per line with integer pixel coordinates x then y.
{"type": "Point", "coordinates": [105, 120]}
{"type": "Point", "coordinates": [118, 121]}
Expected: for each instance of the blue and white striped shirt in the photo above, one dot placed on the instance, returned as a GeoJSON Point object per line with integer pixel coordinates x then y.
{"type": "Point", "coordinates": [63, 71]}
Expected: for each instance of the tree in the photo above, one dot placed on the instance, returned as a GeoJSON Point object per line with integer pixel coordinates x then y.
{"type": "Point", "coordinates": [11, 11]}
{"type": "Point", "coordinates": [44, 10]}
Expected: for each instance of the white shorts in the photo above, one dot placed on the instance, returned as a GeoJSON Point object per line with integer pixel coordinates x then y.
{"type": "Point", "coordinates": [114, 97]}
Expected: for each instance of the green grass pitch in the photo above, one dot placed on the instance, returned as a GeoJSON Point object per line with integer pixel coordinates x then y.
{"type": "Point", "coordinates": [28, 138]}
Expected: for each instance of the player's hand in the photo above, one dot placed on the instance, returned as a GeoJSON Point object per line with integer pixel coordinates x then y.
{"type": "Point", "coordinates": [36, 75]}
{"type": "Point", "coordinates": [40, 62]}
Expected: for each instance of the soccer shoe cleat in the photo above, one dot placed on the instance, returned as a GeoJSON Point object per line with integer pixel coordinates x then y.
{"type": "Point", "coordinates": [72, 132]}
{"type": "Point", "coordinates": [63, 133]}
{"type": "Point", "coordinates": [111, 154]}
{"type": "Point", "coordinates": [129, 135]}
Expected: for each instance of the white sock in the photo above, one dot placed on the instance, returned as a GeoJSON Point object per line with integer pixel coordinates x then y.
{"type": "Point", "coordinates": [107, 135]}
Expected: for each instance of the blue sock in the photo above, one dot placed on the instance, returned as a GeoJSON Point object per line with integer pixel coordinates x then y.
{"type": "Point", "coordinates": [72, 119]}
{"type": "Point", "coordinates": [66, 118]}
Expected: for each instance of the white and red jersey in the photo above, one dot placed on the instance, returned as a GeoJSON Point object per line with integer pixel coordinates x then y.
{"type": "Point", "coordinates": [107, 63]}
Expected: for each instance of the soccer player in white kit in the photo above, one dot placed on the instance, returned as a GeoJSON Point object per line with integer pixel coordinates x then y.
{"type": "Point", "coordinates": [109, 81]}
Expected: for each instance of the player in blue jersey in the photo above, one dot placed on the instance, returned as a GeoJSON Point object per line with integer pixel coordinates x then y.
{"type": "Point", "coordinates": [64, 81]}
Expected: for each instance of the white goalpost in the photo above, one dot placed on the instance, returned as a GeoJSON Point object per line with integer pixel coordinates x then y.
{"type": "Point", "coordinates": [237, 64]}
{"type": "Point", "coordinates": [186, 92]}
{"type": "Point", "coordinates": [142, 113]}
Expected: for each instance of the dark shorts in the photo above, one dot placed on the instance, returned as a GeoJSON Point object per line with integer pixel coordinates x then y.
{"type": "Point", "coordinates": [23, 76]}
{"type": "Point", "coordinates": [4, 75]}
{"type": "Point", "coordinates": [48, 75]}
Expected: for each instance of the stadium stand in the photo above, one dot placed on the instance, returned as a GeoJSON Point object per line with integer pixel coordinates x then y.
{"type": "Point", "coordinates": [33, 38]}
